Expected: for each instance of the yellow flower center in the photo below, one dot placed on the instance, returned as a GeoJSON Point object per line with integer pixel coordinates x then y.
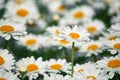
{"type": "Point", "coordinates": [92, 47]}
{"type": "Point", "coordinates": [114, 63]}
{"type": "Point", "coordinates": [78, 15]}
{"type": "Point", "coordinates": [118, 8]}
{"type": "Point", "coordinates": [56, 66]}
{"type": "Point", "coordinates": [19, 2]}
{"type": "Point", "coordinates": [64, 42]}
{"type": "Point", "coordinates": [91, 29]}
{"type": "Point", "coordinates": [32, 67]}
{"type": "Point", "coordinates": [81, 70]}
{"type": "Point", "coordinates": [74, 35]}
{"type": "Point", "coordinates": [31, 42]}
{"type": "Point", "coordinates": [117, 46]}
{"type": "Point", "coordinates": [76, 48]}
{"type": "Point", "coordinates": [6, 28]}
{"type": "Point", "coordinates": [57, 32]}
{"type": "Point", "coordinates": [2, 60]}
{"type": "Point", "coordinates": [112, 38]}
{"type": "Point", "coordinates": [2, 79]}
{"type": "Point", "coordinates": [61, 8]}
{"type": "Point", "coordinates": [91, 78]}
{"type": "Point", "coordinates": [22, 12]}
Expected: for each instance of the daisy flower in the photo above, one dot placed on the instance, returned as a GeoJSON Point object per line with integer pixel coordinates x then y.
{"type": "Point", "coordinates": [113, 46]}
{"type": "Point", "coordinates": [57, 65]}
{"type": "Point", "coordinates": [61, 42]}
{"type": "Point", "coordinates": [115, 29]}
{"type": "Point", "coordinates": [57, 7]}
{"type": "Point", "coordinates": [57, 77]}
{"type": "Point", "coordinates": [114, 7]}
{"type": "Point", "coordinates": [74, 34]}
{"type": "Point", "coordinates": [82, 13]}
{"type": "Point", "coordinates": [31, 67]}
{"type": "Point", "coordinates": [67, 21]}
{"type": "Point", "coordinates": [6, 60]}
{"type": "Point", "coordinates": [32, 42]}
{"type": "Point", "coordinates": [94, 27]}
{"type": "Point", "coordinates": [7, 75]}
{"type": "Point", "coordinates": [22, 13]}
{"type": "Point", "coordinates": [10, 29]}
{"type": "Point", "coordinates": [108, 36]}
{"type": "Point", "coordinates": [92, 47]}
{"type": "Point", "coordinates": [53, 30]}
{"type": "Point", "coordinates": [110, 66]}
{"type": "Point", "coordinates": [90, 73]}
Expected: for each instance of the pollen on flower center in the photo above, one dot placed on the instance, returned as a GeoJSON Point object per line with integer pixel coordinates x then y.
{"type": "Point", "coordinates": [91, 78]}
{"type": "Point", "coordinates": [118, 8]}
{"type": "Point", "coordinates": [31, 41]}
{"type": "Point", "coordinates": [81, 70]}
{"type": "Point", "coordinates": [92, 47]}
{"type": "Point", "coordinates": [32, 67]}
{"type": "Point", "coordinates": [2, 79]}
{"type": "Point", "coordinates": [19, 1]}
{"type": "Point", "coordinates": [64, 42]}
{"type": "Point", "coordinates": [117, 46]}
{"type": "Point", "coordinates": [112, 38]}
{"type": "Point", "coordinates": [6, 28]}
{"type": "Point", "coordinates": [57, 31]}
{"type": "Point", "coordinates": [114, 63]}
{"type": "Point", "coordinates": [56, 66]}
{"type": "Point", "coordinates": [22, 12]}
{"type": "Point", "coordinates": [61, 8]}
{"type": "Point", "coordinates": [1, 60]}
{"type": "Point", "coordinates": [91, 29]}
{"type": "Point", "coordinates": [78, 15]}
{"type": "Point", "coordinates": [74, 35]}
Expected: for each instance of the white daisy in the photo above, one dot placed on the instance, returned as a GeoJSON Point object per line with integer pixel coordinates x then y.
{"type": "Point", "coordinates": [113, 46]}
{"type": "Point", "coordinates": [57, 7]}
{"type": "Point", "coordinates": [22, 13]}
{"type": "Point", "coordinates": [110, 66]}
{"type": "Point", "coordinates": [82, 13]}
{"type": "Point", "coordinates": [6, 60]}
{"type": "Point", "coordinates": [7, 75]}
{"type": "Point", "coordinates": [57, 65]}
{"type": "Point", "coordinates": [8, 29]}
{"type": "Point", "coordinates": [31, 67]}
{"type": "Point", "coordinates": [114, 7]}
{"type": "Point", "coordinates": [108, 36]}
{"type": "Point", "coordinates": [94, 27]}
{"type": "Point", "coordinates": [92, 47]}
{"type": "Point", "coordinates": [90, 73]}
{"type": "Point", "coordinates": [32, 42]}
{"type": "Point", "coordinates": [74, 34]}
{"type": "Point", "coordinates": [55, 30]}
{"type": "Point", "coordinates": [115, 29]}
{"type": "Point", "coordinates": [57, 77]}
{"type": "Point", "coordinates": [67, 21]}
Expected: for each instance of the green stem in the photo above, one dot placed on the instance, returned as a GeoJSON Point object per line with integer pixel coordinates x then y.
{"type": "Point", "coordinates": [7, 45]}
{"type": "Point", "coordinates": [72, 58]}
{"type": "Point", "coordinates": [116, 76]}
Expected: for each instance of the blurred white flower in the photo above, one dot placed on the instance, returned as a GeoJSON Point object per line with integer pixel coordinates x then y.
{"type": "Point", "coordinates": [31, 41]}
{"type": "Point", "coordinates": [6, 60]}
{"type": "Point", "coordinates": [4, 75]}
{"type": "Point", "coordinates": [10, 29]}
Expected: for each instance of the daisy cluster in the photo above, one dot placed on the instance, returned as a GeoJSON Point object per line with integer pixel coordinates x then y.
{"type": "Point", "coordinates": [36, 37]}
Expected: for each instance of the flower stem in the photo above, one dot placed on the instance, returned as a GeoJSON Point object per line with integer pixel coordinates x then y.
{"type": "Point", "coordinates": [7, 45]}
{"type": "Point", "coordinates": [72, 58]}
{"type": "Point", "coordinates": [116, 76]}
